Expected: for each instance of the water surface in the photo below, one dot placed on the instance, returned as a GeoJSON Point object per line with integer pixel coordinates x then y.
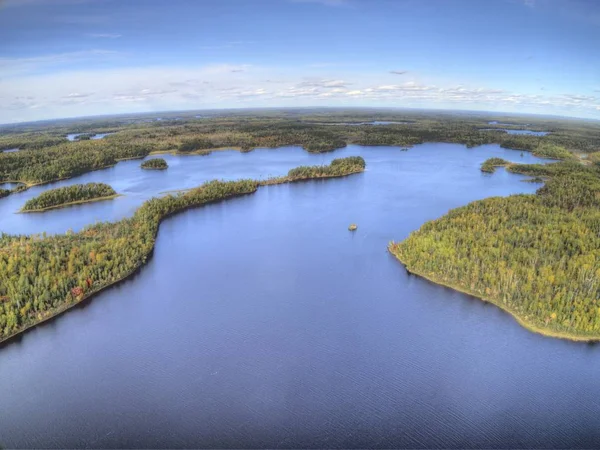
{"type": "Point", "coordinates": [263, 322]}
{"type": "Point", "coordinates": [73, 136]}
{"type": "Point", "coordinates": [528, 132]}
{"type": "Point", "coordinates": [374, 122]}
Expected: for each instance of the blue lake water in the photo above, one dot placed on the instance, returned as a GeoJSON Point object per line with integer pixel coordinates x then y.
{"type": "Point", "coordinates": [9, 185]}
{"type": "Point", "coordinates": [263, 322]}
{"type": "Point", "coordinates": [73, 136]}
{"type": "Point", "coordinates": [374, 122]}
{"type": "Point", "coordinates": [529, 132]}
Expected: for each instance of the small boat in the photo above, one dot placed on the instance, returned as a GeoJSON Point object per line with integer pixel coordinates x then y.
{"type": "Point", "coordinates": [352, 227]}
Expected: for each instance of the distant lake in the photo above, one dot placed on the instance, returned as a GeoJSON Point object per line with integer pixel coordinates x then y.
{"type": "Point", "coordinates": [374, 122]}
{"type": "Point", "coordinates": [73, 136]}
{"type": "Point", "coordinates": [10, 150]}
{"type": "Point", "coordinates": [262, 322]}
{"type": "Point", "coordinates": [9, 186]}
{"type": "Point", "coordinates": [530, 132]}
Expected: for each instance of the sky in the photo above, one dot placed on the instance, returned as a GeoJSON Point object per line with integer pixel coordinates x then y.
{"type": "Point", "coordinates": [69, 58]}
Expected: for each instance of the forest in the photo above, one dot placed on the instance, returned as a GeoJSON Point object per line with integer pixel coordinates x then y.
{"type": "Point", "coordinates": [77, 193]}
{"type": "Point", "coordinates": [42, 276]}
{"type": "Point", "coordinates": [155, 164]}
{"type": "Point", "coordinates": [535, 256]}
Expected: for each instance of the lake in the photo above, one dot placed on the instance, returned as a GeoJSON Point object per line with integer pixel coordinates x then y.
{"type": "Point", "coordinates": [509, 131]}
{"type": "Point", "coordinates": [263, 322]}
{"type": "Point", "coordinates": [73, 136]}
{"type": "Point", "coordinates": [374, 122]}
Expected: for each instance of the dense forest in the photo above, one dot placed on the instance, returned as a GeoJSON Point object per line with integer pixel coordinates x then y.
{"type": "Point", "coordinates": [155, 164]}
{"type": "Point", "coordinates": [536, 256]}
{"type": "Point", "coordinates": [77, 193]}
{"type": "Point", "coordinates": [41, 276]}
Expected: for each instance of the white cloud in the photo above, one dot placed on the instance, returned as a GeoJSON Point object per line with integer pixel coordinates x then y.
{"type": "Point", "coordinates": [104, 35]}
{"type": "Point", "coordinates": [324, 2]}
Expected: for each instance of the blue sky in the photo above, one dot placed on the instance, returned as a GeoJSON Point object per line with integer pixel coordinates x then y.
{"type": "Point", "coordinates": [66, 58]}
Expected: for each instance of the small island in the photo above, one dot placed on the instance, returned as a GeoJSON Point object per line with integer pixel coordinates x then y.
{"type": "Point", "coordinates": [69, 195]}
{"type": "Point", "coordinates": [339, 167]}
{"type": "Point", "coordinates": [155, 164]}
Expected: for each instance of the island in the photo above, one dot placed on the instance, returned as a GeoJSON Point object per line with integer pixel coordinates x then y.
{"type": "Point", "coordinates": [82, 264]}
{"type": "Point", "coordinates": [69, 195]}
{"type": "Point", "coordinates": [155, 164]}
{"type": "Point", "coordinates": [535, 256]}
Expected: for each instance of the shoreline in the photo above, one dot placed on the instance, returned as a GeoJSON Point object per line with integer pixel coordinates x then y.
{"type": "Point", "coordinates": [144, 260]}
{"type": "Point", "coordinates": [529, 326]}
{"type": "Point", "coordinates": [64, 205]}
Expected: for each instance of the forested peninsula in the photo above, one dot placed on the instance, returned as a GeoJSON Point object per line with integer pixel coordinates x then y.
{"type": "Point", "coordinates": [69, 195]}
{"type": "Point", "coordinates": [535, 256]}
{"type": "Point", "coordinates": [43, 276]}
